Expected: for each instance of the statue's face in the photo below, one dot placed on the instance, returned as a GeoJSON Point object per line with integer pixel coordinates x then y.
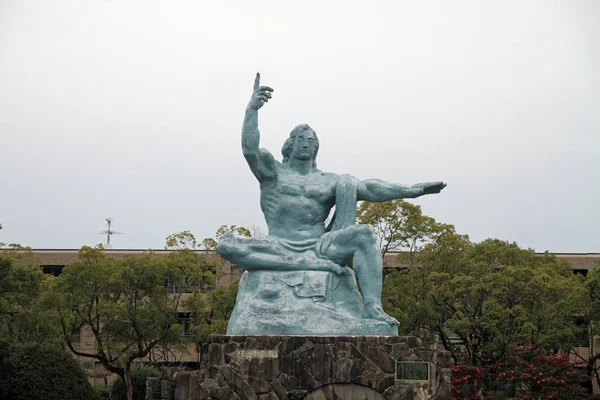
{"type": "Point", "coordinates": [305, 145]}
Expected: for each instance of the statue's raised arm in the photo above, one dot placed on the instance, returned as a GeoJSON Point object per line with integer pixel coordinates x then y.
{"type": "Point", "coordinates": [261, 162]}
{"type": "Point", "coordinates": [303, 277]}
{"type": "Point", "coordinates": [376, 190]}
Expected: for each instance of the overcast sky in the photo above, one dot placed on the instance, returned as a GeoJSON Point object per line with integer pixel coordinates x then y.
{"type": "Point", "coordinates": [133, 109]}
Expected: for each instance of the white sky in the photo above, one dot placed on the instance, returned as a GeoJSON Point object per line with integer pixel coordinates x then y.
{"type": "Point", "coordinates": [133, 109]}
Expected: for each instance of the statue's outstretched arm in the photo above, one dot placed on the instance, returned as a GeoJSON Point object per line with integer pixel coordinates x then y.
{"type": "Point", "coordinates": [377, 190]}
{"type": "Point", "coordinates": [261, 162]}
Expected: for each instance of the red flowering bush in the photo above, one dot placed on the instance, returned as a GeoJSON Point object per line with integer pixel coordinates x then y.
{"type": "Point", "coordinates": [468, 382]}
{"type": "Point", "coordinates": [525, 374]}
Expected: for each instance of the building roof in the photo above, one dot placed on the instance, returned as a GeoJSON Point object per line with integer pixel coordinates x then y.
{"type": "Point", "coordinates": [69, 256]}
{"type": "Point", "coordinates": [577, 260]}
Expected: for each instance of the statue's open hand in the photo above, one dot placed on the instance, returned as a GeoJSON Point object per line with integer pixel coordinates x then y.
{"type": "Point", "coordinates": [431, 187]}
{"type": "Point", "coordinates": [260, 95]}
{"type": "Point", "coordinates": [321, 264]}
{"type": "Point", "coordinates": [339, 270]}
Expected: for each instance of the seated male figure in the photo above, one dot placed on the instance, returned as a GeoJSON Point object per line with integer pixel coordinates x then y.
{"type": "Point", "coordinates": [296, 199]}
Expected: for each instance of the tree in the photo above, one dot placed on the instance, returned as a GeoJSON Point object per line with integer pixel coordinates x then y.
{"type": "Point", "coordinates": [139, 375]}
{"type": "Point", "coordinates": [476, 298]}
{"type": "Point", "coordinates": [210, 313]}
{"type": "Point", "coordinates": [590, 313]}
{"type": "Point", "coordinates": [23, 317]}
{"type": "Point", "coordinates": [211, 243]}
{"type": "Point", "coordinates": [42, 372]}
{"type": "Point", "coordinates": [498, 294]}
{"type": "Point", "coordinates": [180, 241]}
{"type": "Point", "coordinates": [124, 305]}
{"type": "Point", "coordinates": [526, 373]}
{"type": "Point", "coordinates": [400, 226]}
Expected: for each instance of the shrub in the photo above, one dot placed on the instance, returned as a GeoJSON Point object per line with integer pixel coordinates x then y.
{"type": "Point", "coordinates": [468, 382]}
{"type": "Point", "coordinates": [525, 374]}
{"type": "Point", "coordinates": [139, 373]}
{"type": "Point", "coordinates": [39, 372]}
{"type": "Point", "coordinates": [102, 393]}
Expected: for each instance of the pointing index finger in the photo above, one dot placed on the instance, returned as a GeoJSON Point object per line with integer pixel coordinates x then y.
{"type": "Point", "coordinates": [257, 81]}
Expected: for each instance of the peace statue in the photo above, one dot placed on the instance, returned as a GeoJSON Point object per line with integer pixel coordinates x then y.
{"type": "Point", "coordinates": [297, 280]}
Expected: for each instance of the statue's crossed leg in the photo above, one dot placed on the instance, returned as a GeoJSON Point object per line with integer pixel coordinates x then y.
{"type": "Point", "coordinates": [330, 252]}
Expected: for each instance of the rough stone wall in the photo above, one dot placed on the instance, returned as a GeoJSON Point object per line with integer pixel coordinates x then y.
{"type": "Point", "coordinates": [323, 367]}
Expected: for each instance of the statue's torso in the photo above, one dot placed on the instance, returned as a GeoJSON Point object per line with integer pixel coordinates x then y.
{"type": "Point", "coordinates": [296, 206]}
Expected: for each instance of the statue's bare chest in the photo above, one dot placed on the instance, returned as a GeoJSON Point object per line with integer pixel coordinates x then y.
{"type": "Point", "coordinates": [313, 186]}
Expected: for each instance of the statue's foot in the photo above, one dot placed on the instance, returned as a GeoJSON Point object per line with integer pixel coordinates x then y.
{"type": "Point", "coordinates": [374, 311]}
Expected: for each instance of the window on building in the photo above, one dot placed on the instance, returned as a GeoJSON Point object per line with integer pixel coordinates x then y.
{"type": "Point", "coordinates": [454, 339]}
{"type": "Point", "coordinates": [173, 288]}
{"type": "Point", "coordinates": [170, 285]}
{"type": "Point", "coordinates": [208, 288]}
{"type": "Point", "coordinates": [583, 272]}
{"type": "Point", "coordinates": [587, 384]}
{"type": "Point", "coordinates": [583, 338]}
{"type": "Point", "coordinates": [54, 270]}
{"type": "Point", "coordinates": [184, 319]}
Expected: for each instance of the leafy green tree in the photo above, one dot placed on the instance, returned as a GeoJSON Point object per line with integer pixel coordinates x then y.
{"type": "Point", "coordinates": [407, 292]}
{"type": "Point", "coordinates": [526, 373]}
{"type": "Point", "coordinates": [41, 372]}
{"type": "Point", "coordinates": [139, 374]}
{"type": "Point", "coordinates": [498, 294]}
{"type": "Point", "coordinates": [210, 312]}
{"type": "Point", "coordinates": [400, 226]}
{"type": "Point", "coordinates": [211, 243]}
{"type": "Point", "coordinates": [475, 298]}
{"type": "Point", "coordinates": [590, 314]}
{"type": "Point", "coordinates": [124, 305]}
{"type": "Point", "coordinates": [23, 318]}
{"type": "Point", "coordinates": [181, 240]}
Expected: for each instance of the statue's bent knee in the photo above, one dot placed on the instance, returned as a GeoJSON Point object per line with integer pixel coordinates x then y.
{"type": "Point", "coordinates": [227, 247]}
{"type": "Point", "coordinates": [366, 235]}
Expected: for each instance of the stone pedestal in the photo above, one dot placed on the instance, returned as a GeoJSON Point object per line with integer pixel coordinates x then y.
{"type": "Point", "coordinates": [314, 368]}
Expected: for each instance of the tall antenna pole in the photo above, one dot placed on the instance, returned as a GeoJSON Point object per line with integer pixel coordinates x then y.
{"type": "Point", "coordinates": [109, 232]}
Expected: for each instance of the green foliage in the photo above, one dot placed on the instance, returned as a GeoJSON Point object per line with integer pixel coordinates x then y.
{"type": "Point", "coordinates": [211, 243]}
{"type": "Point", "coordinates": [23, 317]}
{"type": "Point", "coordinates": [102, 393]}
{"type": "Point", "coordinates": [400, 225]}
{"type": "Point", "coordinates": [129, 307]}
{"type": "Point", "coordinates": [478, 298]}
{"type": "Point", "coordinates": [181, 240]}
{"type": "Point", "coordinates": [6, 369]}
{"type": "Point", "coordinates": [39, 372]}
{"type": "Point", "coordinates": [210, 312]}
{"type": "Point", "coordinates": [526, 373]}
{"type": "Point", "coordinates": [590, 314]}
{"type": "Point", "coordinates": [139, 374]}
{"type": "Point", "coordinates": [475, 298]}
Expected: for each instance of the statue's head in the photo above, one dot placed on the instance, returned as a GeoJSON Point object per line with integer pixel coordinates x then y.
{"type": "Point", "coordinates": [303, 144]}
